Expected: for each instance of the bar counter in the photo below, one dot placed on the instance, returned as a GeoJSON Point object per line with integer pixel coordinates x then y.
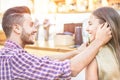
{"type": "Point", "coordinates": [44, 50]}
{"type": "Point", "coordinates": [51, 48]}
{"type": "Point", "coordinates": [42, 47]}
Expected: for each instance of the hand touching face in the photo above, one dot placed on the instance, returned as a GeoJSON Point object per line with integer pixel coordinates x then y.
{"type": "Point", "coordinates": [93, 25]}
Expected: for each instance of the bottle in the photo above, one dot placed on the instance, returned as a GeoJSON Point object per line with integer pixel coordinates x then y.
{"type": "Point", "coordinates": [78, 36]}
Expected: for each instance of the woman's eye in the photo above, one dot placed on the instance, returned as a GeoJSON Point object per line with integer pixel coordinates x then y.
{"type": "Point", "coordinates": [90, 24]}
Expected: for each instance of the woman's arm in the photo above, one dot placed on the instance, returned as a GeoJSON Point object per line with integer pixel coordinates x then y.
{"type": "Point", "coordinates": [91, 71]}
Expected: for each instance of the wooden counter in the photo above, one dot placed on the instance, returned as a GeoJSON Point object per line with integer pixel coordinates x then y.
{"type": "Point", "coordinates": [47, 48]}
{"type": "Point", "coordinates": [41, 48]}
{"type": "Point", "coordinates": [45, 51]}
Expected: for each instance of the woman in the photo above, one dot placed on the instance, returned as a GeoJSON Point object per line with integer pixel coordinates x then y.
{"type": "Point", "coordinates": [106, 66]}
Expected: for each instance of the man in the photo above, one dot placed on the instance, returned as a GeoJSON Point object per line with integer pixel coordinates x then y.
{"type": "Point", "coordinates": [16, 63]}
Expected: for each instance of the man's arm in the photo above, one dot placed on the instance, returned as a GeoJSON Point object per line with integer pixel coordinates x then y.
{"type": "Point", "coordinates": [68, 55]}
{"type": "Point", "coordinates": [81, 60]}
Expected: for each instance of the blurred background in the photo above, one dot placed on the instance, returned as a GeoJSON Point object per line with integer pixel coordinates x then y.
{"type": "Point", "coordinates": [59, 12]}
{"type": "Point", "coordinates": [63, 15]}
{"type": "Point", "coordinates": [58, 20]}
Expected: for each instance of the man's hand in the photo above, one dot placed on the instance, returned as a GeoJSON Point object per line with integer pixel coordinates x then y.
{"type": "Point", "coordinates": [103, 33]}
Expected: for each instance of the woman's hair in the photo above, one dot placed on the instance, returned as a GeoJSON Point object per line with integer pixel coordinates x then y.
{"type": "Point", "coordinates": [12, 16]}
{"type": "Point", "coordinates": [112, 17]}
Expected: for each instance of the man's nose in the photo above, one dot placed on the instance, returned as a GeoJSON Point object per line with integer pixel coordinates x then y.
{"type": "Point", "coordinates": [36, 27]}
{"type": "Point", "coordinates": [35, 30]}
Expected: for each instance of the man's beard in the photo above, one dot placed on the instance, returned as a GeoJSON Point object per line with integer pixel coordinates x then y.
{"type": "Point", "coordinates": [25, 37]}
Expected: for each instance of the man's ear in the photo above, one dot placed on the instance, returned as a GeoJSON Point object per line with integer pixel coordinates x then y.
{"type": "Point", "coordinates": [17, 28]}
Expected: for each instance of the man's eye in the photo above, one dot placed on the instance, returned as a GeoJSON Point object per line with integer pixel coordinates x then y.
{"type": "Point", "coordinates": [31, 24]}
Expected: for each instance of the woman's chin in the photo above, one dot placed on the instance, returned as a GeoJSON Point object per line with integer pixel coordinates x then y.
{"type": "Point", "coordinates": [92, 38]}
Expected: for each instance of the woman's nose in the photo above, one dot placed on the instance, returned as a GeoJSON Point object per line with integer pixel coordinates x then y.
{"type": "Point", "coordinates": [87, 29]}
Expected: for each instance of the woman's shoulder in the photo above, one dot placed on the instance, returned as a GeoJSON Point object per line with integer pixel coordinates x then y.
{"type": "Point", "coordinates": [106, 50]}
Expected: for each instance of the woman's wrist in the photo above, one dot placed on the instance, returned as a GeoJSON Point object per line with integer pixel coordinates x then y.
{"type": "Point", "coordinates": [98, 42]}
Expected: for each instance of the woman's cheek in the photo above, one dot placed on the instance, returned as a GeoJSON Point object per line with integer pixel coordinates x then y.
{"type": "Point", "coordinates": [92, 37]}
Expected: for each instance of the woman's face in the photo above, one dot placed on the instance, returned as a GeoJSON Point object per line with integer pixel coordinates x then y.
{"type": "Point", "coordinates": [93, 24]}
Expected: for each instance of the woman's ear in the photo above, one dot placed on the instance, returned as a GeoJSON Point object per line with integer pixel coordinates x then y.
{"type": "Point", "coordinates": [17, 28]}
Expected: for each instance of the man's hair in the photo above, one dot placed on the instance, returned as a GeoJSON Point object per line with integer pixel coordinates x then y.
{"type": "Point", "coordinates": [13, 16]}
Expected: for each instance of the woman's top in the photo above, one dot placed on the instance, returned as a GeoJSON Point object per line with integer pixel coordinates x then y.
{"type": "Point", "coordinates": [108, 67]}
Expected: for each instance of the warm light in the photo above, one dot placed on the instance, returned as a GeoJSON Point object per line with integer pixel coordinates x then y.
{"type": "Point", "coordinates": [52, 7]}
{"type": "Point", "coordinates": [5, 4]}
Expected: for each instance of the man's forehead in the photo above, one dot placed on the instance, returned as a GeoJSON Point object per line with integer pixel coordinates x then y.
{"type": "Point", "coordinates": [28, 17]}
